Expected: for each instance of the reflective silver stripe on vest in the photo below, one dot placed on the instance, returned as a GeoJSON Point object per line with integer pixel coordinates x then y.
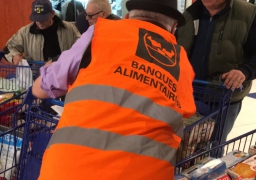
{"type": "Point", "coordinates": [127, 99]}
{"type": "Point", "coordinates": [105, 140]}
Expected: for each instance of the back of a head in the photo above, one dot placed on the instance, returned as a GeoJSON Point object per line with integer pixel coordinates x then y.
{"type": "Point", "coordinates": [166, 8]}
{"type": "Point", "coordinates": [158, 19]}
{"type": "Point", "coordinates": [103, 5]}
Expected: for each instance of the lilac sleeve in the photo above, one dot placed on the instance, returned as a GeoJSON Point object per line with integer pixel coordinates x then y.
{"type": "Point", "coordinates": [60, 74]}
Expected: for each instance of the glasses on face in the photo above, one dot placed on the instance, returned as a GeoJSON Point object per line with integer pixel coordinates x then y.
{"type": "Point", "coordinates": [91, 15]}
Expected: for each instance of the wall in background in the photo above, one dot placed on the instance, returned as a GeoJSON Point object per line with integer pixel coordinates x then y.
{"type": "Point", "coordinates": [13, 15]}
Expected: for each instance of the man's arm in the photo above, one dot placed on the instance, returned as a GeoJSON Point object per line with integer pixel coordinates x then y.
{"type": "Point", "coordinates": [56, 77]}
{"type": "Point", "coordinates": [15, 45]}
{"type": "Point", "coordinates": [249, 67]}
{"type": "Point", "coordinates": [247, 70]}
{"type": "Point", "coordinates": [38, 91]}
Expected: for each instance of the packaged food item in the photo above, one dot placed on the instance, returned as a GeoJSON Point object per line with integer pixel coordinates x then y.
{"type": "Point", "coordinates": [9, 105]}
{"type": "Point", "coordinates": [200, 132]}
{"type": "Point", "coordinates": [206, 130]}
{"type": "Point", "coordinates": [234, 157]}
{"type": "Point", "coordinates": [185, 150]}
{"type": "Point", "coordinates": [188, 121]}
{"type": "Point", "coordinates": [224, 177]}
{"type": "Point", "coordinates": [6, 120]}
{"type": "Point", "coordinates": [252, 150]}
{"type": "Point", "coordinates": [6, 96]}
{"type": "Point", "coordinates": [234, 176]}
{"type": "Point", "coordinates": [246, 168]}
{"type": "Point", "coordinates": [215, 170]}
{"type": "Point", "coordinates": [16, 93]}
{"type": "Point", "coordinates": [180, 177]}
{"type": "Point", "coordinates": [189, 171]}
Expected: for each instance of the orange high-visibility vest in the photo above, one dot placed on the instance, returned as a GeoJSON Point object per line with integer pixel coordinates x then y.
{"type": "Point", "coordinates": [122, 118]}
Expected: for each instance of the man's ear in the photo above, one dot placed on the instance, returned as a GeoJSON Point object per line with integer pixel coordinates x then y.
{"type": "Point", "coordinates": [104, 14]}
{"type": "Point", "coordinates": [53, 14]}
{"type": "Point", "coordinates": [174, 27]}
{"type": "Point", "coordinates": [126, 16]}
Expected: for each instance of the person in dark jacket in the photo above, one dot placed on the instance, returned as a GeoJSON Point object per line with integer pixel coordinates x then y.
{"type": "Point", "coordinates": [94, 9]}
{"type": "Point", "coordinates": [43, 39]}
{"type": "Point", "coordinates": [217, 47]}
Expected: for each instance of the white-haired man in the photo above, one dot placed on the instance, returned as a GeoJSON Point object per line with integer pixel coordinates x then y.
{"type": "Point", "coordinates": [94, 10]}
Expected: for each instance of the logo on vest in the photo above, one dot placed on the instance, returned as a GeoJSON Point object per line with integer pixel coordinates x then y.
{"type": "Point", "coordinates": [155, 49]}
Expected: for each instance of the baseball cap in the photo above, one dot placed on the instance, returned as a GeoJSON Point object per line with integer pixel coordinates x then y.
{"type": "Point", "coordinates": [41, 10]}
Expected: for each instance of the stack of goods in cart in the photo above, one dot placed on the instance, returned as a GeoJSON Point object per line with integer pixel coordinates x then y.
{"type": "Point", "coordinates": [6, 96]}
{"type": "Point", "coordinates": [197, 137]}
{"type": "Point", "coordinates": [236, 165]}
{"type": "Point", "coordinates": [10, 153]}
{"type": "Point", "coordinates": [8, 105]}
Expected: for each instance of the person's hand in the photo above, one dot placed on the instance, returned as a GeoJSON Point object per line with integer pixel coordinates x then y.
{"type": "Point", "coordinates": [233, 79]}
{"type": "Point", "coordinates": [17, 58]}
{"type": "Point", "coordinates": [48, 63]}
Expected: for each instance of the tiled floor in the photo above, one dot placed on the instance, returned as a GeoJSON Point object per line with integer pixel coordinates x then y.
{"type": "Point", "coordinates": [246, 120]}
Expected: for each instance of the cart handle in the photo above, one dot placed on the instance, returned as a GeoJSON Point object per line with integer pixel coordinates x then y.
{"type": "Point", "coordinates": [216, 83]}
{"type": "Point", "coordinates": [36, 62]}
{"type": "Point", "coordinates": [56, 102]}
{"type": "Point", "coordinates": [29, 61]}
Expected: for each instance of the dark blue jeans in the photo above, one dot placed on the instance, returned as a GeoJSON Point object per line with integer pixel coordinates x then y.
{"type": "Point", "coordinates": [233, 111]}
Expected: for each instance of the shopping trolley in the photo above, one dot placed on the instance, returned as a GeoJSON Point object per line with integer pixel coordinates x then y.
{"type": "Point", "coordinates": [204, 129]}
{"type": "Point", "coordinates": [28, 139]}
{"type": "Point", "coordinates": [211, 100]}
{"type": "Point", "coordinates": [16, 77]}
{"type": "Point", "coordinates": [240, 143]}
{"type": "Point", "coordinates": [14, 81]}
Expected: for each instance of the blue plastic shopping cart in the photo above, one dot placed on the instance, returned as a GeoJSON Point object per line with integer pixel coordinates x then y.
{"type": "Point", "coordinates": [12, 89]}
{"type": "Point", "coordinates": [212, 101]}
{"type": "Point", "coordinates": [204, 130]}
{"type": "Point", "coordinates": [240, 143]}
{"type": "Point", "coordinates": [15, 77]}
{"type": "Point", "coordinates": [30, 139]}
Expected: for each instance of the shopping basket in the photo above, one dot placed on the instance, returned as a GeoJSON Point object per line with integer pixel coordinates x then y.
{"type": "Point", "coordinates": [205, 128]}
{"type": "Point", "coordinates": [13, 88]}
{"type": "Point", "coordinates": [16, 77]}
{"type": "Point", "coordinates": [240, 143]}
{"type": "Point", "coordinates": [11, 132]}
{"type": "Point", "coordinates": [35, 132]}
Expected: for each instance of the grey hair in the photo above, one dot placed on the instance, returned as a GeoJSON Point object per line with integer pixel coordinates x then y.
{"type": "Point", "coordinates": [164, 20]}
{"type": "Point", "coordinates": [103, 5]}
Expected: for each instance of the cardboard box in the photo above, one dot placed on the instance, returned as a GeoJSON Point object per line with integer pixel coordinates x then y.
{"type": "Point", "coordinates": [234, 157]}
{"type": "Point", "coordinates": [213, 170]}
{"type": "Point", "coordinates": [189, 171]}
{"type": "Point", "coordinates": [246, 168]}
